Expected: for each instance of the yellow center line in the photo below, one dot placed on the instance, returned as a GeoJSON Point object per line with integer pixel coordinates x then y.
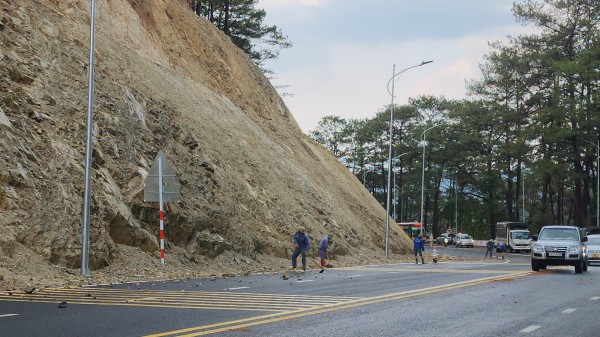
{"type": "Point", "coordinates": [191, 294]}
{"type": "Point", "coordinates": [271, 318]}
{"type": "Point", "coordinates": [445, 271]}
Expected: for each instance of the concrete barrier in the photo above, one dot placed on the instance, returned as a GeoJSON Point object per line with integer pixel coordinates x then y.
{"type": "Point", "coordinates": [479, 243]}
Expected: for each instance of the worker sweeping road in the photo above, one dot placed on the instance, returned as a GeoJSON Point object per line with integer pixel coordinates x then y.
{"type": "Point", "coordinates": [323, 245]}
{"type": "Point", "coordinates": [301, 247]}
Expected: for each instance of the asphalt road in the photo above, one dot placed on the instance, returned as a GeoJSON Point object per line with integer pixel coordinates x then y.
{"type": "Point", "coordinates": [491, 297]}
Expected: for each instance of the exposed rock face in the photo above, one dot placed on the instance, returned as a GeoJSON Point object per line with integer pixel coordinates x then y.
{"type": "Point", "coordinates": [167, 80]}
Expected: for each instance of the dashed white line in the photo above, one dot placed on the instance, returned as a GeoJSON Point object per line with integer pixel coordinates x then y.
{"type": "Point", "coordinates": [595, 298]}
{"type": "Point", "coordinates": [8, 315]}
{"type": "Point", "coordinates": [237, 288]}
{"type": "Point", "coordinates": [301, 281]}
{"type": "Point", "coordinates": [393, 272]}
{"type": "Point", "coordinates": [568, 311]}
{"type": "Point", "coordinates": [531, 328]}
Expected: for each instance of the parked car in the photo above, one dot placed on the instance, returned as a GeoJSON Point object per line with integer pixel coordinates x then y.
{"type": "Point", "coordinates": [593, 248]}
{"type": "Point", "coordinates": [560, 246]}
{"type": "Point", "coordinates": [449, 236]}
{"type": "Point", "coordinates": [463, 240]}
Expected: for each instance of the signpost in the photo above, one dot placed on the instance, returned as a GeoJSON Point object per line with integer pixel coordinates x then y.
{"type": "Point", "coordinates": [161, 186]}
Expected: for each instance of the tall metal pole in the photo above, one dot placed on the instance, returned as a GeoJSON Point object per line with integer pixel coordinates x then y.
{"type": "Point", "coordinates": [402, 205]}
{"type": "Point", "coordinates": [597, 179]}
{"type": "Point", "coordinates": [456, 203]}
{"type": "Point", "coordinates": [387, 206]}
{"type": "Point", "coordinates": [85, 240]}
{"type": "Point", "coordinates": [396, 185]}
{"type": "Point", "coordinates": [395, 200]}
{"type": "Point", "coordinates": [364, 181]}
{"type": "Point", "coordinates": [523, 183]}
{"type": "Point", "coordinates": [392, 80]}
{"type": "Point", "coordinates": [423, 135]}
{"type": "Point", "coordinates": [423, 184]}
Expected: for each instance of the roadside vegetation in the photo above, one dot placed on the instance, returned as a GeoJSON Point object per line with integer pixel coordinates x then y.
{"type": "Point", "coordinates": [526, 136]}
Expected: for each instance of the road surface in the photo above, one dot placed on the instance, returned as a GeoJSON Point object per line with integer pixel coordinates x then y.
{"type": "Point", "coordinates": [473, 298]}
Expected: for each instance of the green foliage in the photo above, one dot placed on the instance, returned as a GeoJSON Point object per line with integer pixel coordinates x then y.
{"type": "Point", "coordinates": [330, 133]}
{"type": "Point", "coordinates": [244, 24]}
{"type": "Point", "coordinates": [518, 140]}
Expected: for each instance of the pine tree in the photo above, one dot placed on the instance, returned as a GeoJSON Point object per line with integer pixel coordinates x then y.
{"type": "Point", "coordinates": [244, 24]}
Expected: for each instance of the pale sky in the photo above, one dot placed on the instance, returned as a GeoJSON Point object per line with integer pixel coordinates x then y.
{"type": "Point", "coordinates": [344, 51]}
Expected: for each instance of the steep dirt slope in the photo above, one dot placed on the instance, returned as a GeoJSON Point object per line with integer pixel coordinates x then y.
{"type": "Point", "coordinates": [165, 79]}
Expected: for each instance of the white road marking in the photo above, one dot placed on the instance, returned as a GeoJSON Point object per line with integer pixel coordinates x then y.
{"type": "Point", "coordinates": [355, 276]}
{"type": "Point", "coordinates": [8, 315]}
{"type": "Point", "coordinates": [237, 288]}
{"type": "Point", "coordinates": [531, 328]}
{"type": "Point", "coordinates": [595, 298]}
{"type": "Point", "coordinates": [393, 272]}
{"type": "Point", "coordinates": [301, 281]}
{"type": "Point", "coordinates": [568, 311]}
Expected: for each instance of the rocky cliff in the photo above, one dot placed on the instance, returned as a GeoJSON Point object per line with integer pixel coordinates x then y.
{"type": "Point", "coordinates": [167, 80]}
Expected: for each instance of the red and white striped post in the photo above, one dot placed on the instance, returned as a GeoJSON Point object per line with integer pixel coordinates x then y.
{"type": "Point", "coordinates": [161, 186]}
{"type": "Point", "coordinates": [161, 212]}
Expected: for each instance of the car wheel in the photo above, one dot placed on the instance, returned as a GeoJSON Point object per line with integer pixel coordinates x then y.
{"type": "Point", "coordinates": [535, 266]}
{"type": "Point", "coordinates": [579, 267]}
{"type": "Point", "coordinates": [543, 266]}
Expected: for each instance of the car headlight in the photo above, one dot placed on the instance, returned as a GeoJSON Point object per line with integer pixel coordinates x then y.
{"type": "Point", "coordinates": [537, 248]}
{"type": "Point", "coordinates": [574, 249]}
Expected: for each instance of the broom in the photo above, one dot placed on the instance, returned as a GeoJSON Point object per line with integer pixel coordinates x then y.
{"type": "Point", "coordinates": [318, 264]}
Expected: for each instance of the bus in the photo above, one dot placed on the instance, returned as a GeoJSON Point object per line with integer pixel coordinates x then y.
{"type": "Point", "coordinates": [412, 229]}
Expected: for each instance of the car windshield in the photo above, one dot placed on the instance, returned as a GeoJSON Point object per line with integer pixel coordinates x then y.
{"type": "Point", "coordinates": [558, 234]}
{"type": "Point", "coordinates": [465, 237]}
{"type": "Point", "coordinates": [521, 235]}
{"type": "Point", "coordinates": [451, 235]}
{"type": "Point", "coordinates": [593, 240]}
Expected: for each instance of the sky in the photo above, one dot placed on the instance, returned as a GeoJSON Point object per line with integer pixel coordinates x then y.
{"type": "Point", "coordinates": [345, 50]}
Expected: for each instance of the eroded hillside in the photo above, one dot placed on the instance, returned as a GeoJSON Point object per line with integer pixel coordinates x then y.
{"type": "Point", "coordinates": [164, 79]}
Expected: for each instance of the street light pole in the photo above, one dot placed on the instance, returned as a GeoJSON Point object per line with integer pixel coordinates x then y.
{"type": "Point", "coordinates": [395, 188]}
{"type": "Point", "coordinates": [423, 135]}
{"type": "Point", "coordinates": [395, 198]}
{"type": "Point", "coordinates": [85, 237]}
{"type": "Point", "coordinates": [597, 180]}
{"type": "Point", "coordinates": [455, 203]}
{"type": "Point", "coordinates": [364, 173]}
{"type": "Point", "coordinates": [523, 183]}
{"type": "Point", "coordinates": [392, 80]}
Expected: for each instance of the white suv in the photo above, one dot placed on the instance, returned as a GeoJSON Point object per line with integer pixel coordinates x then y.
{"type": "Point", "coordinates": [560, 246]}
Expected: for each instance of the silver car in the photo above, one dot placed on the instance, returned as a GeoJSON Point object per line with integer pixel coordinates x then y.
{"type": "Point", "coordinates": [463, 240]}
{"type": "Point", "coordinates": [560, 246]}
{"type": "Point", "coordinates": [593, 248]}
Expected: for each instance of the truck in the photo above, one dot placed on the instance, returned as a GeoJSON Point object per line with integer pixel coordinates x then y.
{"type": "Point", "coordinates": [514, 235]}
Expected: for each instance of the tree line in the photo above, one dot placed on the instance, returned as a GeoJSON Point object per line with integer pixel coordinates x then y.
{"type": "Point", "coordinates": [244, 24]}
{"type": "Point", "coordinates": [522, 147]}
